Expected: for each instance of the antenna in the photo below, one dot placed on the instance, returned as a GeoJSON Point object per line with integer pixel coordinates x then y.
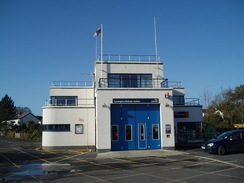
{"type": "Point", "coordinates": [155, 39]}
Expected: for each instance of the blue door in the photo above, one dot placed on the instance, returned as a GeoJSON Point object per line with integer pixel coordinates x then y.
{"type": "Point", "coordinates": [127, 127]}
{"type": "Point", "coordinates": [154, 134]}
{"type": "Point", "coordinates": [135, 126]}
{"type": "Point", "coordinates": [116, 142]}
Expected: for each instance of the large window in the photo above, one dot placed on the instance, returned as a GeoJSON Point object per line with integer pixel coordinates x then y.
{"type": "Point", "coordinates": [64, 100]}
{"type": "Point", "coordinates": [189, 132]}
{"type": "Point", "coordinates": [130, 80]}
{"type": "Point", "coordinates": [178, 100]}
{"type": "Point", "coordinates": [56, 127]}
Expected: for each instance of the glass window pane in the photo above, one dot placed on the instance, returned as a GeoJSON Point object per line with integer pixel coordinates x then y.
{"type": "Point", "coordinates": [128, 132]}
{"type": "Point", "coordinates": [155, 132]}
{"type": "Point", "coordinates": [133, 80]}
{"type": "Point", "coordinates": [115, 133]}
{"type": "Point", "coordinates": [142, 136]}
{"type": "Point", "coordinates": [178, 100]}
{"type": "Point", "coordinates": [114, 80]}
{"type": "Point", "coordinates": [125, 78]}
{"type": "Point", "coordinates": [55, 127]}
{"type": "Point", "coordinates": [45, 127]}
{"type": "Point", "coordinates": [146, 81]}
{"type": "Point", "coordinates": [67, 127]}
{"type": "Point", "coordinates": [61, 127]}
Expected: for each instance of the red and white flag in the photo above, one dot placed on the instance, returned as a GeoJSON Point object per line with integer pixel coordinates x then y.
{"type": "Point", "coordinates": [97, 33]}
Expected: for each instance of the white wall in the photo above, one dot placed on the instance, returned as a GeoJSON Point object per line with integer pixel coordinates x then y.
{"type": "Point", "coordinates": [84, 114]}
{"type": "Point", "coordinates": [85, 94]}
{"type": "Point", "coordinates": [156, 69]}
{"type": "Point", "coordinates": [72, 116]}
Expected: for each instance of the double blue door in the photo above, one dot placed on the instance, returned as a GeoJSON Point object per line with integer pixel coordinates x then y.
{"type": "Point", "coordinates": [135, 126]}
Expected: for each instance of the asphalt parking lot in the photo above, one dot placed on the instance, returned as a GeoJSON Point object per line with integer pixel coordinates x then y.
{"type": "Point", "coordinates": [25, 161]}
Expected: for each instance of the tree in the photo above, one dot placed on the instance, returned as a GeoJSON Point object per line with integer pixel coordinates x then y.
{"type": "Point", "coordinates": [206, 98]}
{"type": "Point", "coordinates": [237, 98]}
{"type": "Point", "coordinates": [7, 109]}
{"type": "Point", "coordinates": [23, 110]}
{"type": "Point", "coordinates": [230, 104]}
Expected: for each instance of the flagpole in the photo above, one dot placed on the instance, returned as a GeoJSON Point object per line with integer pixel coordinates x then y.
{"type": "Point", "coordinates": [101, 50]}
{"type": "Point", "coordinates": [96, 50]}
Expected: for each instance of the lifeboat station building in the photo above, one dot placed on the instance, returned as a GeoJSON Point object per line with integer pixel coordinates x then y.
{"type": "Point", "coordinates": [129, 105]}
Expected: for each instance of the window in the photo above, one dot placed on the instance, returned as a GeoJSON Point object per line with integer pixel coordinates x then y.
{"type": "Point", "coordinates": [155, 132]}
{"type": "Point", "coordinates": [130, 80]}
{"type": "Point", "coordinates": [188, 131]}
{"type": "Point", "coordinates": [237, 135]}
{"type": "Point", "coordinates": [178, 100]}
{"type": "Point", "coordinates": [142, 131]}
{"type": "Point", "coordinates": [56, 127]}
{"type": "Point", "coordinates": [64, 100]}
{"type": "Point", "coordinates": [115, 132]}
{"type": "Point", "coordinates": [128, 132]}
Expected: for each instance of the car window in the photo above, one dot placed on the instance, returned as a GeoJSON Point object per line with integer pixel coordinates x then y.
{"type": "Point", "coordinates": [224, 135]}
{"type": "Point", "coordinates": [236, 135]}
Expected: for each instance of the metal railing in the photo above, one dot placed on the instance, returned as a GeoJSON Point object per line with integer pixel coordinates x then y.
{"type": "Point", "coordinates": [69, 103]}
{"type": "Point", "coordinates": [192, 101]}
{"type": "Point", "coordinates": [189, 138]}
{"type": "Point", "coordinates": [135, 83]}
{"type": "Point", "coordinates": [72, 83]}
{"type": "Point", "coordinates": [129, 58]}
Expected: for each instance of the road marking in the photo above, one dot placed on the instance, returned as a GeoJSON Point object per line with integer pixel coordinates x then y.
{"type": "Point", "coordinates": [33, 156]}
{"type": "Point", "coordinates": [228, 163]}
{"type": "Point", "coordinates": [9, 160]}
{"type": "Point", "coordinates": [71, 157]}
{"type": "Point", "coordinates": [17, 167]}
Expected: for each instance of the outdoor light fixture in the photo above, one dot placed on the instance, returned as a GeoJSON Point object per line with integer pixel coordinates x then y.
{"type": "Point", "coordinates": [167, 95]}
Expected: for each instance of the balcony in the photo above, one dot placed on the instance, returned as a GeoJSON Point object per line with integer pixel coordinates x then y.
{"type": "Point", "coordinates": [135, 83]}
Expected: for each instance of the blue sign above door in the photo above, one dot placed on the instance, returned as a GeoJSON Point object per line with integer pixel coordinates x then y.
{"type": "Point", "coordinates": [137, 100]}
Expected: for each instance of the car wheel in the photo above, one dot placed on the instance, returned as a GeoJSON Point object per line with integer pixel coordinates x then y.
{"type": "Point", "coordinates": [221, 150]}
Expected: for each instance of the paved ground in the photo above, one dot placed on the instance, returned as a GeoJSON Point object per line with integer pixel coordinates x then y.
{"type": "Point", "coordinates": [25, 161]}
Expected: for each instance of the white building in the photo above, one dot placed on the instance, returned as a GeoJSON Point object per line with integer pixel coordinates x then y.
{"type": "Point", "coordinates": [128, 106]}
{"type": "Point", "coordinates": [23, 119]}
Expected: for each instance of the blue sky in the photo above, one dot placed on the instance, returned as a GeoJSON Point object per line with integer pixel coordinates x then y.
{"type": "Point", "coordinates": [200, 42]}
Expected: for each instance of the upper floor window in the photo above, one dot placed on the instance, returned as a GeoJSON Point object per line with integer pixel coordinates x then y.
{"type": "Point", "coordinates": [178, 100]}
{"type": "Point", "coordinates": [64, 100]}
{"type": "Point", "coordinates": [130, 80]}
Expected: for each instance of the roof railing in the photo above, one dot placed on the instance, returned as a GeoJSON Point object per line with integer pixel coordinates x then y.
{"type": "Point", "coordinates": [192, 101]}
{"type": "Point", "coordinates": [129, 58]}
{"type": "Point", "coordinates": [72, 83]}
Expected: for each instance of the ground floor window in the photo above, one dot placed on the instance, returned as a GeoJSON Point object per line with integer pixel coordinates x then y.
{"type": "Point", "coordinates": [115, 133]}
{"type": "Point", "coordinates": [189, 132]}
{"type": "Point", "coordinates": [155, 132]}
{"type": "Point", "coordinates": [56, 127]}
